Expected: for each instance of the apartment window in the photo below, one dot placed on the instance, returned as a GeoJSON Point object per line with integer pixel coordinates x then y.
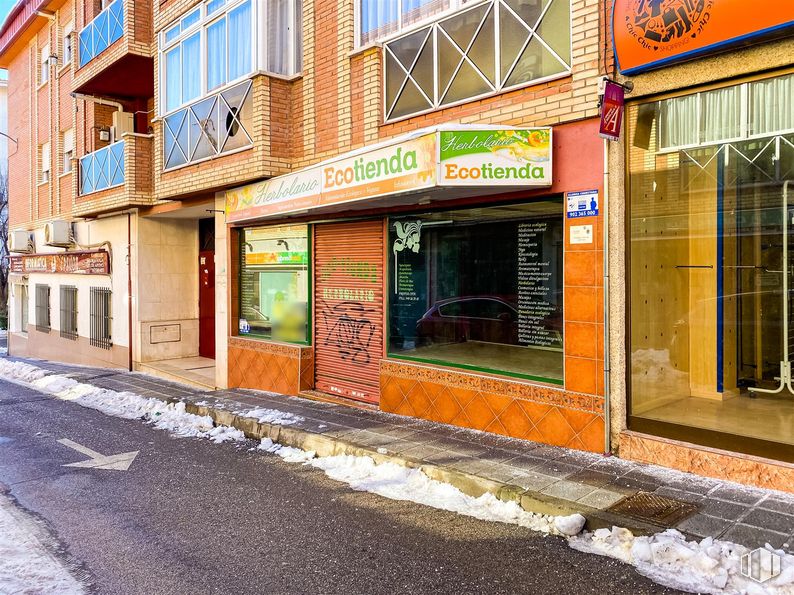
{"type": "Point", "coordinates": [68, 150]}
{"type": "Point", "coordinates": [68, 305]}
{"type": "Point", "coordinates": [43, 308]}
{"type": "Point", "coordinates": [477, 51]}
{"type": "Point", "coordinates": [101, 318]}
{"type": "Point", "coordinates": [216, 45]}
{"type": "Point", "coordinates": [378, 19]}
{"type": "Point", "coordinates": [45, 162]}
{"type": "Point", "coordinates": [67, 44]}
{"type": "Point", "coordinates": [44, 62]}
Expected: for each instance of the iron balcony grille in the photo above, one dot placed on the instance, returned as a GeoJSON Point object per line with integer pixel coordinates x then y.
{"type": "Point", "coordinates": [69, 312]}
{"type": "Point", "coordinates": [43, 308]}
{"type": "Point", "coordinates": [101, 318]}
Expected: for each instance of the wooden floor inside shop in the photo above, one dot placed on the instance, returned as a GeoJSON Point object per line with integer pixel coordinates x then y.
{"type": "Point", "coordinates": [540, 363]}
{"type": "Point", "coordinates": [764, 416]}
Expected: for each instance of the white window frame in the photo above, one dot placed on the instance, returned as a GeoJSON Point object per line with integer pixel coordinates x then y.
{"type": "Point", "coordinates": [46, 162]}
{"type": "Point", "coordinates": [201, 26]}
{"type": "Point", "coordinates": [68, 150]}
{"type": "Point", "coordinates": [44, 65]}
{"type": "Point", "coordinates": [454, 6]}
{"type": "Point", "coordinates": [68, 42]}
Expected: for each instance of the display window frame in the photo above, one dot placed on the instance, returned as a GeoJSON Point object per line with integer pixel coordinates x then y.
{"type": "Point", "coordinates": [389, 271]}
{"type": "Point", "coordinates": [698, 437]}
{"type": "Point", "coordinates": [240, 231]}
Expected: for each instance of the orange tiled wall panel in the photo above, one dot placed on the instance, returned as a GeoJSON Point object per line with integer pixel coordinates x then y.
{"type": "Point", "coordinates": [491, 404]}
{"type": "Point", "coordinates": [710, 462]}
{"type": "Point", "coordinates": [275, 367]}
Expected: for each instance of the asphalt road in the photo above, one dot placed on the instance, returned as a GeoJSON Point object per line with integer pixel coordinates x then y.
{"type": "Point", "coordinates": [193, 517]}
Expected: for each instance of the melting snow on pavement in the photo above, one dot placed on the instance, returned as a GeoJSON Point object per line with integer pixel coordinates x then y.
{"type": "Point", "coordinates": [26, 566]}
{"type": "Point", "coordinates": [707, 566]}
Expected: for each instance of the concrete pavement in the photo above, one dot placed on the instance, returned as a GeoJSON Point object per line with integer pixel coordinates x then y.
{"type": "Point", "coordinates": [190, 516]}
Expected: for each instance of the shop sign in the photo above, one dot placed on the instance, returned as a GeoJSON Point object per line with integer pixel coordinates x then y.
{"type": "Point", "coordinates": [582, 204]}
{"type": "Point", "coordinates": [276, 258]}
{"type": "Point", "coordinates": [81, 263]}
{"type": "Point", "coordinates": [611, 111]}
{"type": "Point", "coordinates": [652, 33]}
{"type": "Point", "coordinates": [495, 157]}
{"type": "Point", "coordinates": [449, 158]}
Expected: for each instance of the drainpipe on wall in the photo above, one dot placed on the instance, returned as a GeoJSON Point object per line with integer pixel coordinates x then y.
{"type": "Point", "coordinates": [98, 100]}
{"type": "Point", "coordinates": [607, 421]}
{"type": "Point", "coordinates": [129, 286]}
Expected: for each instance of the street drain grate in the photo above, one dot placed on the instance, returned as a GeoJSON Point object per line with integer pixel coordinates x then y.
{"type": "Point", "coordinates": [653, 508]}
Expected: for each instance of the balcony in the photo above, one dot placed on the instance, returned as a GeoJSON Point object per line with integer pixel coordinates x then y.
{"type": "Point", "coordinates": [216, 125]}
{"type": "Point", "coordinates": [102, 32]}
{"type": "Point", "coordinates": [116, 177]}
{"type": "Point", "coordinates": [115, 52]}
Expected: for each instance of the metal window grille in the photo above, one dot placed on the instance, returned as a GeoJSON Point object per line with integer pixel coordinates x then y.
{"type": "Point", "coordinates": [43, 308]}
{"type": "Point", "coordinates": [101, 317]}
{"type": "Point", "coordinates": [69, 312]}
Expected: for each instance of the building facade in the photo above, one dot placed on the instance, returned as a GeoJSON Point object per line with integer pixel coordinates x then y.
{"type": "Point", "coordinates": [404, 205]}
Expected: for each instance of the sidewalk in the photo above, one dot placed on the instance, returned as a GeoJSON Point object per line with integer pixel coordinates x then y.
{"type": "Point", "coordinates": [606, 490]}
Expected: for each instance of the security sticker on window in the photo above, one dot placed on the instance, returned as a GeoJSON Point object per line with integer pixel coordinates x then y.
{"type": "Point", "coordinates": [582, 204]}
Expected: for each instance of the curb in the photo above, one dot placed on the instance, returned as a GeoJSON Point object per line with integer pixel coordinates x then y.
{"type": "Point", "coordinates": [468, 483]}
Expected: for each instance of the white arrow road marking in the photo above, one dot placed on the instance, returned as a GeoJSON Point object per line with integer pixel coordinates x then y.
{"type": "Point", "coordinates": [119, 462]}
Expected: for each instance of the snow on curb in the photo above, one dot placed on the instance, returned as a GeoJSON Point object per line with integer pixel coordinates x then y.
{"type": "Point", "coordinates": [171, 417]}
{"type": "Point", "coordinates": [273, 416]}
{"type": "Point", "coordinates": [26, 565]}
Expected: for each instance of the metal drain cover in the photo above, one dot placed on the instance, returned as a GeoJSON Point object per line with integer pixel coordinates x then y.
{"type": "Point", "coordinates": [654, 508]}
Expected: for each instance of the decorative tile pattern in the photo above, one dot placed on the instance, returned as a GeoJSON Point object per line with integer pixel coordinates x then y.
{"type": "Point", "coordinates": [502, 406]}
{"type": "Point", "coordinates": [274, 367]}
{"type": "Point", "coordinates": [700, 460]}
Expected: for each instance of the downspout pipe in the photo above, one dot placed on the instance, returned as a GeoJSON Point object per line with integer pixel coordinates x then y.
{"type": "Point", "coordinates": [607, 418]}
{"type": "Point", "coordinates": [99, 100]}
{"type": "Point", "coordinates": [129, 288]}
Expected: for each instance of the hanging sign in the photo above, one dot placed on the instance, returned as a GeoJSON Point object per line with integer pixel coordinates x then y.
{"type": "Point", "coordinates": [582, 204]}
{"type": "Point", "coordinates": [82, 263]}
{"type": "Point", "coordinates": [611, 111]}
{"type": "Point", "coordinates": [648, 34]}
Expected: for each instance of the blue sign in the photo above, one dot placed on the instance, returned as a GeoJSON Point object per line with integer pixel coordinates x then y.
{"type": "Point", "coordinates": [582, 204]}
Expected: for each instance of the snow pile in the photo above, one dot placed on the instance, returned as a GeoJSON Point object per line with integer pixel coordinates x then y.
{"type": "Point", "coordinates": [26, 566]}
{"type": "Point", "coordinates": [171, 417]}
{"type": "Point", "coordinates": [288, 453]}
{"type": "Point", "coordinates": [708, 566]}
{"type": "Point", "coordinates": [273, 416]}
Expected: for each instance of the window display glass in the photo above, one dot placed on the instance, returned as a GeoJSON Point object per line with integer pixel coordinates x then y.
{"type": "Point", "coordinates": [711, 187]}
{"type": "Point", "coordinates": [480, 288]}
{"type": "Point", "coordinates": [274, 283]}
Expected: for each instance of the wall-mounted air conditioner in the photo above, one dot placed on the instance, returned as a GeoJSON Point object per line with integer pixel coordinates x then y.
{"type": "Point", "coordinates": [20, 241]}
{"type": "Point", "coordinates": [58, 233]}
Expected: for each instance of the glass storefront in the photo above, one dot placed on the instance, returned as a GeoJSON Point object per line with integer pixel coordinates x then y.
{"type": "Point", "coordinates": [274, 283]}
{"type": "Point", "coordinates": [711, 210]}
{"type": "Point", "coordinates": [480, 289]}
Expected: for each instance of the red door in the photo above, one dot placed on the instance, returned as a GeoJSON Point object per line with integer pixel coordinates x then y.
{"type": "Point", "coordinates": [207, 304]}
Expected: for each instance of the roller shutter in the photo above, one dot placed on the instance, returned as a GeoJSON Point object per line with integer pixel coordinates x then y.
{"type": "Point", "coordinates": [349, 306]}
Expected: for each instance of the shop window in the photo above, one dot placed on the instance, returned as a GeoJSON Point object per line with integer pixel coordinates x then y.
{"type": "Point", "coordinates": [480, 50]}
{"type": "Point", "coordinates": [43, 308]}
{"type": "Point", "coordinates": [101, 318]}
{"type": "Point", "coordinates": [480, 289]}
{"type": "Point", "coordinates": [711, 195]}
{"type": "Point", "coordinates": [68, 318]}
{"type": "Point", "coordinates": [274, 283]}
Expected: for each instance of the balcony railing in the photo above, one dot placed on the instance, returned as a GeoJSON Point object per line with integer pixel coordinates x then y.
{"type": "Point", "coordinates": [102, 169]}
{"type": "Point", "coordinates": [102, 32]}
{"type": "Point", "coordinates": [218, 124]}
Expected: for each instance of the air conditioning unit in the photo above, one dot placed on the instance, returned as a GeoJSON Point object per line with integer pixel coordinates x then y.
{"type": "Point", "coordinates": [58, 233]}
{"type": "Point", "coordinates": [123, 122]}
{"type": "Point", "coordinates": [20, 241]}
